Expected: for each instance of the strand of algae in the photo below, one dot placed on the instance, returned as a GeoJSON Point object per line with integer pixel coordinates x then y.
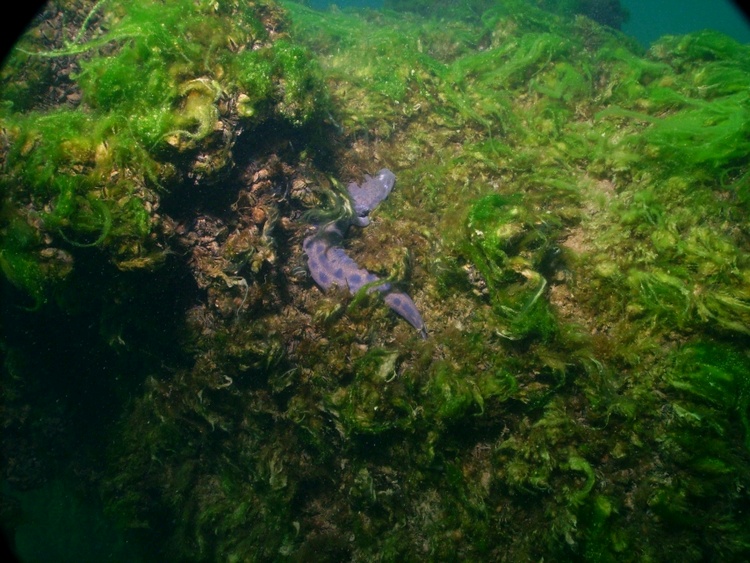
{"type": "Point", "coordinates": [73, 47]}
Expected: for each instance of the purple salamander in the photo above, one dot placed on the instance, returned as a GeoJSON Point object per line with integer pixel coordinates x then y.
{"type": "Point", "coordinates": [329, 265]}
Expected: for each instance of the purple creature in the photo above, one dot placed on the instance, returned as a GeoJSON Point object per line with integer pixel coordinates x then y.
{"type": "Point", "coordinates": [329, 265]}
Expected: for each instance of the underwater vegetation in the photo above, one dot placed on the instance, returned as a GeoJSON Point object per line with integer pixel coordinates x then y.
{"type": "Point", "coordinates": [606, 12]}
{"type": "Point", "coordinates": [569, 217]}
{"type": "Point", "coordinates": [92, 171]}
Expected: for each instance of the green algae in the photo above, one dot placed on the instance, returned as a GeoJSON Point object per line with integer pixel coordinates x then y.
{"type": "Point", "coordinates": [717, 376]}
{"type": "Point", "coordinates": [22, 267]}
{"type": "Point", "coordinates": [541, 146]}
{"type": "Point", "coordinates": [98, 170]}
{"type": "Point", "coordinates": [575, 213]}
{"type": "Point", "coordinates": [508, 248]}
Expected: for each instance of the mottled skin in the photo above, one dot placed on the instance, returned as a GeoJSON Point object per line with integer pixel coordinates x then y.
{"type": "Point", "coordinates": [329, 265]}
{"type": "Point", "coordinates": [365, 198]}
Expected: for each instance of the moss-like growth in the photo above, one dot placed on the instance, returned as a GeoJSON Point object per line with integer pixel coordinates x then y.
{"type": "Point", "coordinates": [569, 217]}
{"type": "Point", "coordinates": [34, 272]}
{"type": "Point", "coordinates": [94, 175]}
{"type": "Point", "coordinates": [509, 246]}
{"type": "Point", "coordinates": [716, 377]}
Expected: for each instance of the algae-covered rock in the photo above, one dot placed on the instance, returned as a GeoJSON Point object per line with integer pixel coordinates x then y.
{"type": "Point", "coordinates": [569, 217]}
{"type": "Point", "coordinates": [156, 97]}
